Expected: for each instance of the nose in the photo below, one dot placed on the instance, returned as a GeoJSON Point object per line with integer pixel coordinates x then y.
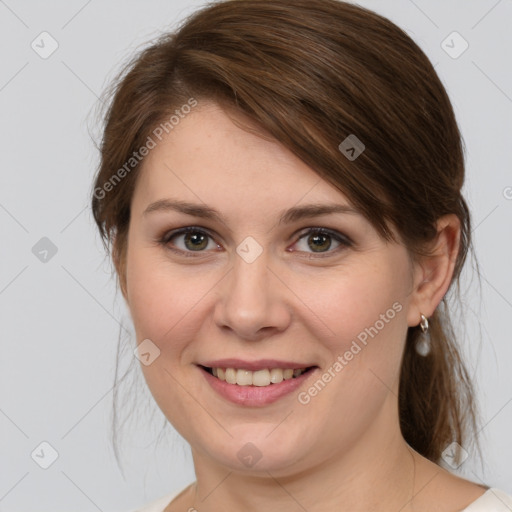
{"type": "Point", "coordinates": [252, 301]}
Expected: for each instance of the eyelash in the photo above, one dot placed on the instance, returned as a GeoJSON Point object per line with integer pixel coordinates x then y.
{"type": "Point", "coordinates": [343, 240]}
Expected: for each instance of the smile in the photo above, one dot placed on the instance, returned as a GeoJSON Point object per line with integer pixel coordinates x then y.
{"type": "Point", "coordinates": [255, 388]}
{"type": "Point", "coordinates": [261, 378]}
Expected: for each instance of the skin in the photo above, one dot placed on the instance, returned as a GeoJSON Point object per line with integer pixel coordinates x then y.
{"type": "Point", "coordinates": [341, 451]}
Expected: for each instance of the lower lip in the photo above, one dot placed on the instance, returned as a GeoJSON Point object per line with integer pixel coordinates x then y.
{"type": "Point", "coordinates": [255, 396]}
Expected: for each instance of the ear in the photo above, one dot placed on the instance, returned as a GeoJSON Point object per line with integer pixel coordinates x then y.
{"type": "Point", "coordinates": [433, 273]}
{"type": "Point", "coordinates": [119, 260]}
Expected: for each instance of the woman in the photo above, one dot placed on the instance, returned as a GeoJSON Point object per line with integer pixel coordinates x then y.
{"type": "Point", "coordinates": [281, 185]}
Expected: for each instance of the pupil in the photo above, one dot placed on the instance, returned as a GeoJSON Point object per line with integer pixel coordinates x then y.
{"type": "Point", "coordinates": [319, 242]}
{"type": "Point", "coordinates": [195, 241]}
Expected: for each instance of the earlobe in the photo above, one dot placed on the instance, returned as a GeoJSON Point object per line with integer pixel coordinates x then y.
{"type": "Point", "coordinates": [434, 272]}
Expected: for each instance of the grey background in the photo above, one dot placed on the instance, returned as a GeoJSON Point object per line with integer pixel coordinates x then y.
{"type": "Point", "coordinates": [61, 318]}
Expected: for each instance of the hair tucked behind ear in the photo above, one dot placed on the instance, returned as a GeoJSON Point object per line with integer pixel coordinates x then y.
{"type": "Point", "coordinates": [310, 73]}
{"type": "Point", "coordinates": [435, 400]}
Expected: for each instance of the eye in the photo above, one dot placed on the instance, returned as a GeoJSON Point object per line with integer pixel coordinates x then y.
{"type": "Point", "coordinates": [189, 239]}
{"type": "Point", "coordinates": [321, 240]}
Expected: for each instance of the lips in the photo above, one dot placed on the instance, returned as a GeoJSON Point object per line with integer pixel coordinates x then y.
{"type": "Point", "coordinates": [262, 392]}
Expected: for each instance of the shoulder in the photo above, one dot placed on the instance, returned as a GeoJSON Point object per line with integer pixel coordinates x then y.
{"type": "Point", "coordinates": [157, 505]}
{"type": "Point", "coordinates": [446, 491]}
{"type": "Point", "coordinates": [493, 500]}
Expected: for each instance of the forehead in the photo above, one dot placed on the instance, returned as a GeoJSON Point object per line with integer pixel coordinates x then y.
{"type": "Point", "coordinates": [208, 155]}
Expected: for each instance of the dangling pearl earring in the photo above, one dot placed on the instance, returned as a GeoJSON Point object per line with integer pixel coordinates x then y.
{"type": "Point", "coordinates": [423, 343]}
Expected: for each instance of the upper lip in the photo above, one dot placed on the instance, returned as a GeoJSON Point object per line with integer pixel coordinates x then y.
{"type": "Point", "coordinates": [260, 364]}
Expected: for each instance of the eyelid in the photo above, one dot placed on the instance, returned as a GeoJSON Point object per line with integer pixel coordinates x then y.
{"type": "Point", "coordinates": [328, 231]}
{"type": "Point", "coordinates": [187, 229]}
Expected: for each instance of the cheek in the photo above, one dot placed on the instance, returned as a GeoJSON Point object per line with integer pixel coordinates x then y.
{"type": "Point", "coordinates": [164, 300]}
{"type": "Point", "coordinates": [162, 304]}
{"type": "Point", "coordinates": [153, 308]}
{"type": "Point", "coordinates": [365, 325]}
{"type": "Point", "coordinates": [351, 305]}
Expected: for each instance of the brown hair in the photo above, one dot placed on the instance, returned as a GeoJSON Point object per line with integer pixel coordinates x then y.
{"type": "Point", "coordinates": [310, 73]}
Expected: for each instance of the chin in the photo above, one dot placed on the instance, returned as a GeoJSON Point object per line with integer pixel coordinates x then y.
{"type": "Point", "coordinates": [258, 450]}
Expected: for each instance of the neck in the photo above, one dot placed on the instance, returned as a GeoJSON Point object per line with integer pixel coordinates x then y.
{"type": "Point", "coordinates": [376, 473]}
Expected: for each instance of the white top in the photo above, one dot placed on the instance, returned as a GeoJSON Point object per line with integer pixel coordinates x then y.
{"type": "Point", "coordinates": [493, 500]}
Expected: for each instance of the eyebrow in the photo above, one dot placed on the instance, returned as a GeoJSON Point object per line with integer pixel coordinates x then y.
{"type": "Point", "coordinates": [293, 214]}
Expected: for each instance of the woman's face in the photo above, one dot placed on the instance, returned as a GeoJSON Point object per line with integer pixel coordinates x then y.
{"type": "Point", "coordinates": [256, 283]}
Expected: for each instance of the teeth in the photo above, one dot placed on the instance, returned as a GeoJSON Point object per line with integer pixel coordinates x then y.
{"type": "Point", "coordinates": [230, 376]}
{"type": "Point", "coordinates": [276, 376]}
{"type": "Point", "coordinates": [243, 377]}
{"type": "Point", "coordinates": [258, 378]}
